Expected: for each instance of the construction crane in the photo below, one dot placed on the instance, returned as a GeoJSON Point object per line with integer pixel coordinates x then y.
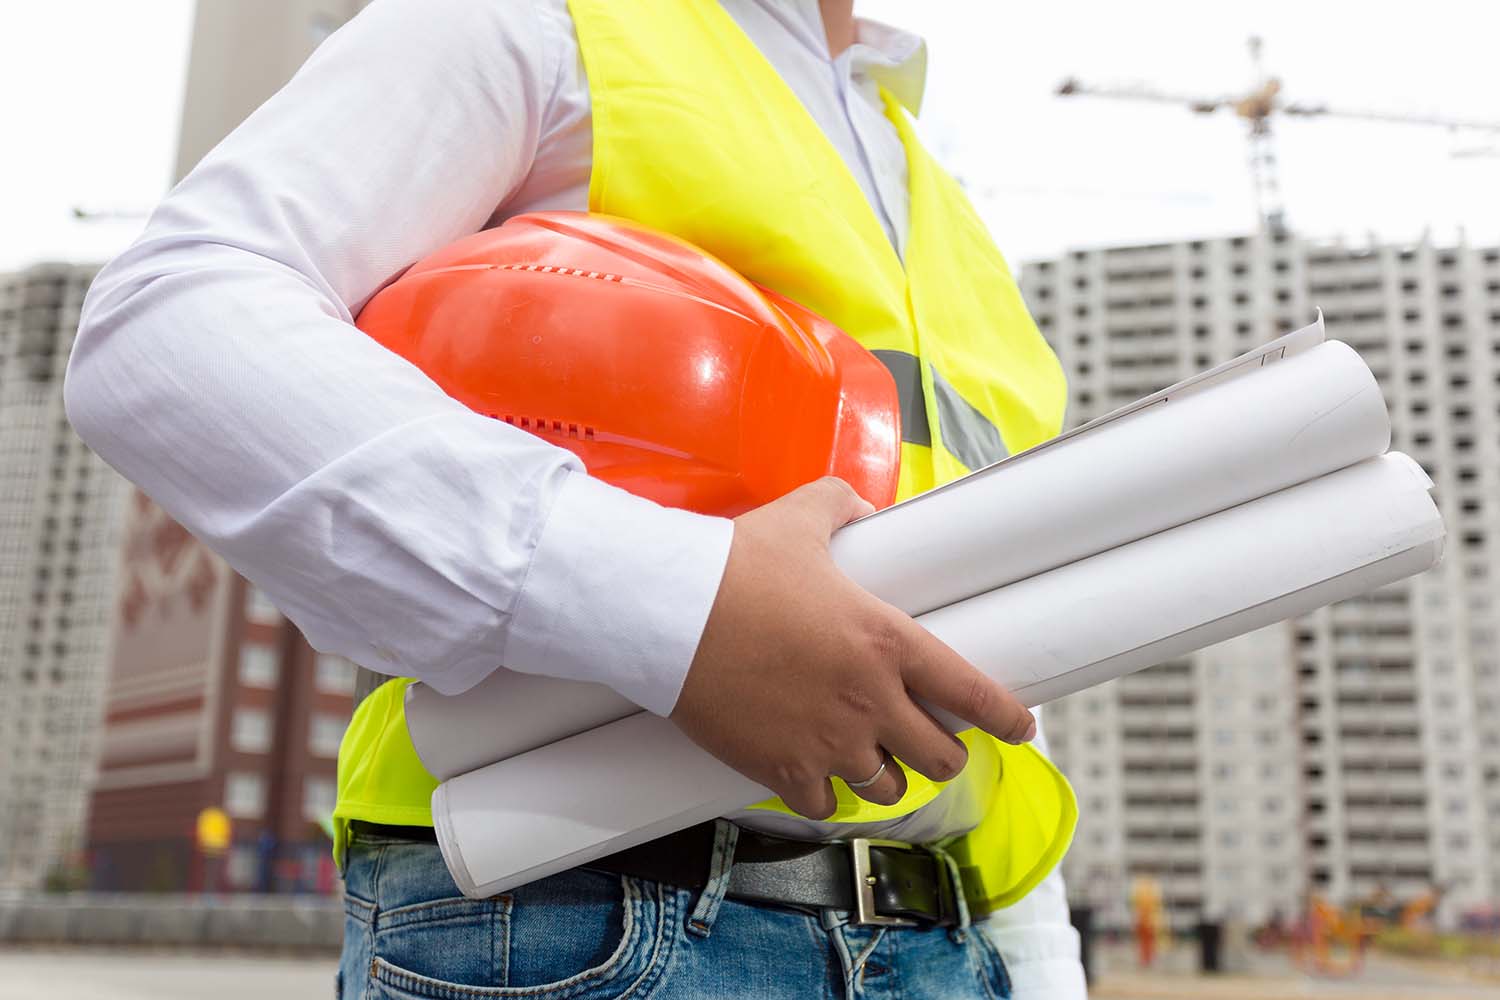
{"type": "Point", "coordinates": [1258, 108]}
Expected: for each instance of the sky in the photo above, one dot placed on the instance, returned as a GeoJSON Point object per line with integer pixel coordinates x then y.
{"type": "Point", "coordinates": [1052, 173]}
{"type": "Point", "coordinates": [90, 92]}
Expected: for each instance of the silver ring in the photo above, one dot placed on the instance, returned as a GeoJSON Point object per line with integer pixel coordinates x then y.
{"type": "Point", "coordinates": [868, 781]}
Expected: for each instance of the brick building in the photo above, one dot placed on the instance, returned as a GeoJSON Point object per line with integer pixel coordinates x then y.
{"type": "Point", "coordinates": [214, 700]}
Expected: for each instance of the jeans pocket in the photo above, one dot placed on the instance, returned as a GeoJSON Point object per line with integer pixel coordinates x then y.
{"type": "Point", "coordinates": [579, 935]}
{"type": "Point", "coordinates": [454, 942]}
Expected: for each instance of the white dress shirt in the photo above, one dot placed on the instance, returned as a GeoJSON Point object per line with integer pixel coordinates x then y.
{"type": "Point", "coordinates": [217, 366]}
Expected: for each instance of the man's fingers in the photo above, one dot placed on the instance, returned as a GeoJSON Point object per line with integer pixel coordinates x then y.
{"type": "Point", "coordinates": [935, 672]}
{"type": "Point", "coordinates": [923, 744]}
{"type": "Point", "coordinates": [885, 790]}
{"type": "Point", "coordinates": [813, 799]}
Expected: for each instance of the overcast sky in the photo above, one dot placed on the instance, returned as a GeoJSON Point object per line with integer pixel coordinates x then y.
{"type": "Point", "coordinates": [90, 92]}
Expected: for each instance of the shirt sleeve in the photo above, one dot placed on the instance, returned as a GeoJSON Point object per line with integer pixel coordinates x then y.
{"type": "Point", "coordinates": [1035, 937]}
{"type": "Point", "coordinates": [217, 367]}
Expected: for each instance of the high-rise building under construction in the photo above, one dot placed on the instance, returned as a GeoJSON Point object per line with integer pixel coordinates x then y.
{"type": "Point", "coordinates": [59, 547]}
{"type": "Point", "coordinates": [1351, 752]}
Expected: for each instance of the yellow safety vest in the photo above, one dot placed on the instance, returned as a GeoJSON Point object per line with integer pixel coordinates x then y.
{"type": "Point", "coordinates": [695, 133]}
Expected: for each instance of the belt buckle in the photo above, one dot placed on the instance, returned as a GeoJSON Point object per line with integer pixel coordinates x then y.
{"type": "Point", "coordinates": [864, 884]}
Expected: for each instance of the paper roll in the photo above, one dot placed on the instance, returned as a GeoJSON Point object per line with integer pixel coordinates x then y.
{"type": "Point", "coordinates": [1178, 460]}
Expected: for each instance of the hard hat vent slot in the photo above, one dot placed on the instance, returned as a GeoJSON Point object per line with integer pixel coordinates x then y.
{"type": "Point", "coordinates": [572, 272]}
{"type": "Point", "coordinates": [541, 425]}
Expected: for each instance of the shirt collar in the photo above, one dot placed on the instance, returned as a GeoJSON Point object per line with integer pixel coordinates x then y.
{"type": "Point", "coordinates": [892, 58]}
{"type": "Point", "coordinates": [895, 59]}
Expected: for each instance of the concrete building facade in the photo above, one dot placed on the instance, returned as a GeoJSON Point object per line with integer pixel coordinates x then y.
{"type": "Point", "coordinates": [1350, 751]}
{"type": "Point", "coordinates": [59, 518]}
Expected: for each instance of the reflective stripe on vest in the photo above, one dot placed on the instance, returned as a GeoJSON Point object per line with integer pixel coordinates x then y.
{"type": "Point", "coordinates": [966, 432]}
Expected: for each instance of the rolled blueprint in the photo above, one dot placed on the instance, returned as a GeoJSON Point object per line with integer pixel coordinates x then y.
{"type": "Point", "coordinates": [1175, 460]}
{"type": "Point", "coordinates": [1049, 635]}
{"type": "Point", "coordinates": [1289, 412]}
{"type": "Point", "coordinates": [505, 714]}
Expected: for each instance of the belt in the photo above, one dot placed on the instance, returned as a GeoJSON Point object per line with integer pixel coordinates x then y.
{"type": "Point", "coordinates": [878, 882]}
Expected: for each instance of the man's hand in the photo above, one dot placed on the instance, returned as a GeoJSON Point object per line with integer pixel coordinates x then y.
{"type": "Point", "coordinates": [801, 674]}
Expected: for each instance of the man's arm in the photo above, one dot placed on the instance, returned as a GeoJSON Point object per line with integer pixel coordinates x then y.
{"type": "Point", "coordinates": [217, 367]}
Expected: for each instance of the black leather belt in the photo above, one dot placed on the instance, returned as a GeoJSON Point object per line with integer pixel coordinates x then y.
{"type": "Point", "coordinates": [875, 881]}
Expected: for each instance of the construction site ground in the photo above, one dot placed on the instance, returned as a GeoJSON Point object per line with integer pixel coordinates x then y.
{"type": "Point", "coordinates": [1274, 976]}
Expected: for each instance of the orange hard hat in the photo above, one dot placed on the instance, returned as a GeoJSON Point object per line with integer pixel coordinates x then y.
{"type": "Point", "coordinates": [666, 372]}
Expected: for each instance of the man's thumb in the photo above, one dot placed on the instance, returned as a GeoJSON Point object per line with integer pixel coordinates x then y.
{"type": "Point", "coordinates": [837, 501]}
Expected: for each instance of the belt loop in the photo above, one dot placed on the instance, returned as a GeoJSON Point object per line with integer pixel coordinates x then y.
{"type": "Point", "coordinates": [836, 923]}
{"type": "Point", "coordinates": [701, 920]}
{"type": "Point", "coordinates": [960, 901]}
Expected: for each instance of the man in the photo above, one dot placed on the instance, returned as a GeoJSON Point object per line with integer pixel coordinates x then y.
{"type": "Point", "coordinates": [217, 367]}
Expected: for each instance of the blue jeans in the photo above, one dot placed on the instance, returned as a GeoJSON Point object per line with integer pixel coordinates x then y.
{"type": "Point", "coordinates": [586, 935]}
